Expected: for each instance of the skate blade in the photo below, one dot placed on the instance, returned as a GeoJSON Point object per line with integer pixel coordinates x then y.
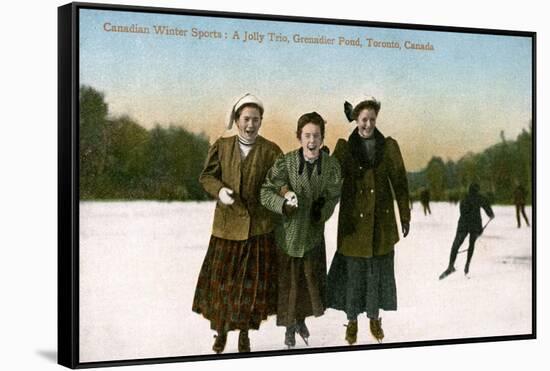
{"type": "Point", "coordinates": [445, 275]}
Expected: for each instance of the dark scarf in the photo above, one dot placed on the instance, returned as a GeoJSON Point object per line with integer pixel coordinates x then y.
{"type": "Point", "coordinates": [310, 166]}
{"type": "Point", "coordinates": [359, 152]}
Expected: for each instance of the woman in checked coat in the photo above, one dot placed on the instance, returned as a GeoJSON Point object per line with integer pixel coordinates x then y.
{"type": "Point", "coordinates": [361, 277]}
{"type": "Point", "coordinates": [237, 284]}
{"type": "Point", "coordinates": [303, 186]}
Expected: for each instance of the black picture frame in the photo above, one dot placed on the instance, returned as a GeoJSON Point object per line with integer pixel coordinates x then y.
{"type": "Point", "coordinates": [69, 190]}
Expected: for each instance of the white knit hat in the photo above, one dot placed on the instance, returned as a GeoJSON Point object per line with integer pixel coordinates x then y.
{"type": "Point", "coordinates": [245, 99]}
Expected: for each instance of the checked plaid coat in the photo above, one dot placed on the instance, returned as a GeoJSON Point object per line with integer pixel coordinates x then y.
{"type": "Point", "coordinates": [297, 234]}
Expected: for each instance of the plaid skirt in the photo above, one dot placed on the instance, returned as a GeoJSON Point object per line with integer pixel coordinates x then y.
{"type": "Point", "coordinates": [357, 285]}
{"type": "Point", "coordinates": [237, 284]}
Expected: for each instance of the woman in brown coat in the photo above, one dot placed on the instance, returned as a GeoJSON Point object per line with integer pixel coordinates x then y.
{"type": "Point", "coordinates": [237, 288]}
{"type": "Point", "coordinates": [361, 277]}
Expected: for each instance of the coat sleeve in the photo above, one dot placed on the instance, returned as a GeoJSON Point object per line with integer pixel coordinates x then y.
{"type": "Point", "coordinates": [211, 174]}
{"type": "Point", "coordinates": [398, 178]}
{"type": "Point", "coordinates": [340, 155]}
{"type": "Point", "coordinates": [276, 178]}
{"type": "Point", "coordinates": [332, 192]}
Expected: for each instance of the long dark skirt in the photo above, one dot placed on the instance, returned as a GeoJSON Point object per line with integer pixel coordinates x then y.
{"type": "Point", "coordinates": [302, 286]}
{"type": "Point", "coordinates": [237, 284]}
{"type": "Point", "coordinates": [357, 285]}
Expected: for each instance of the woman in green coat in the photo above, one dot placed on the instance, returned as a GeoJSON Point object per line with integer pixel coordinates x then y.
{"type": "Point", "coordinates": [361, 277]}
{"type": "Point", "coordinates": [303, 186]}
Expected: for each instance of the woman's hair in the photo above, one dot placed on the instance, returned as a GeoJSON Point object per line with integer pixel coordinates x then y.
{"type": "Point", "coordinates": [310, 118]}
{"type": "Point", "coordinates": [366, 104]}
{"type": "Point", "coordinates": [253, 105]}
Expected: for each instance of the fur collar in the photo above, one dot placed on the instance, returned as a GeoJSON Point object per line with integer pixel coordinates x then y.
{"type": "Point", "coordinates": [359, 152]}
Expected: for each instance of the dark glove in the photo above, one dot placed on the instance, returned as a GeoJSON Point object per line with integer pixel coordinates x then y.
{"type": "Point", "coordinates": [316, 208]}
{"type": "Point", "coordinates": [289, 210]}
{"type": "Point", "coordinates": [405, 227]}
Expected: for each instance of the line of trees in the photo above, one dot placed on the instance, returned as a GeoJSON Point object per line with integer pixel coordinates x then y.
{"type": "Point", "coordinates": [498, 170]}
{"type": "Point", "coordinates": [119, 159]}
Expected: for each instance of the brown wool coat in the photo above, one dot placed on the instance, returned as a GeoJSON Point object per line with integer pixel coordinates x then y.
{"type": "Point", "coordinates": [367, 199]}
{"type": "Point", "coordinates": [223, 167]}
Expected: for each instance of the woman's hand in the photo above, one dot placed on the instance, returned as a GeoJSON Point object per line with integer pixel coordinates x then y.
{"type": "Point", "coordinates": [225, 196]}
{"type": "Point", "coordinates": [288, 209]}
{"type": "Point", "coordinates": [291, 198]}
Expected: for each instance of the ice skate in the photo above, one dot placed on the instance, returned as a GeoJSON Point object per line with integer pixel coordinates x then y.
{"type": "Point", "coordinates": [467, 271]}
{"type": "Point", "coordinates": [290, 336]}
{"type": "Point", "coordinates": [351, 332]}
{"type": "Point", "coordinates": [219, 343]}
{"type": "Point", "coordinates": [446, 273]}
{"type": "Point", "coordinates": [303, 331]}
{"type": "Point", "coordinates": [244, 342]}
{"type": "Point", "coordinates": [376, 329]}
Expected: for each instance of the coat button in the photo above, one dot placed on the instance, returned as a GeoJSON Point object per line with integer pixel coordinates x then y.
{"type": "Point", "coordinates": [372, 191]}
{"type": "Point", "coordinates": [361, 215]}
{"type": "Point", "coordinates": [360, 167]}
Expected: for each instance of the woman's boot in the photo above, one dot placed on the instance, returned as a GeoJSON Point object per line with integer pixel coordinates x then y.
{"type": "Point", "coordinates": [376, 329]}
{"type": "Point", "coordinates": [219, 343]}
{"type": "Point", "coordinates": [244, 342]}
{"type": "Point", "coordinates": [290, 336]}
{"type": "Point", "coordinates": [302, 330]}
{"type": "Point", "coordinates": [351, 332]}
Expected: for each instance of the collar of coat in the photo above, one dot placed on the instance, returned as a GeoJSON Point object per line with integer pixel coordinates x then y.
{"type": "Point", "coordinates": [257, 143]}
{"type": "Point", "coordinates": [359, 152]}
{"type": "Point", "coordinates": [302, 160]}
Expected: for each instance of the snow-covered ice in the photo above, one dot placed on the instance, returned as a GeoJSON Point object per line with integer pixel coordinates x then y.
{"type": "Point", "coordinates": [139, 262]}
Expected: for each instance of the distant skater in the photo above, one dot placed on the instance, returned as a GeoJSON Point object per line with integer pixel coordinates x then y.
{"type": "Point", "coordinates": [468, 223]}
{"type": "Point", "coordinates": [520, 194]}
{"type": "Point", "coordinates": [425, 201]}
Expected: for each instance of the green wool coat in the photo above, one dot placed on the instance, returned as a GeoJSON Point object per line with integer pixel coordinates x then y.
{"type": "Point", "coordinates": [366, 222]}
{"type": "Point", "coordinates": [298, 233]}
{"type": "Point", "coordinates": [223, 167]}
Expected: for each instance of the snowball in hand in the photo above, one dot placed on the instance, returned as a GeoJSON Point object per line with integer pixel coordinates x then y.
{"type": "Point", "coordinates": [225, 196]}
{"type": "Point", "coordinates": [291, 198]}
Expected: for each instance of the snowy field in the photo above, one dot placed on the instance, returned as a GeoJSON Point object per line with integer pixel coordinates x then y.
{"type": "Point", "coordinates": [139, 262]}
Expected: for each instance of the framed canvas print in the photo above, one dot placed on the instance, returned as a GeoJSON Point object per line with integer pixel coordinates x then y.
{"type": "Point", "coordinates": [236, 185]}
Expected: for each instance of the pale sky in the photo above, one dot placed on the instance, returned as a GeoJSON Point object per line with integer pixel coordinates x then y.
{"type": "Point", "coordinates": [446, 102]}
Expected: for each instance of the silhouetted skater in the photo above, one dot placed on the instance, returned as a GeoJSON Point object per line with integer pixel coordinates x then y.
{"type": "Point", "coordinates": [425, 201]}
{"type": "Point", "coordinates": [468, 223]}
{"type": "Point", "coordinates": [520, 194]}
